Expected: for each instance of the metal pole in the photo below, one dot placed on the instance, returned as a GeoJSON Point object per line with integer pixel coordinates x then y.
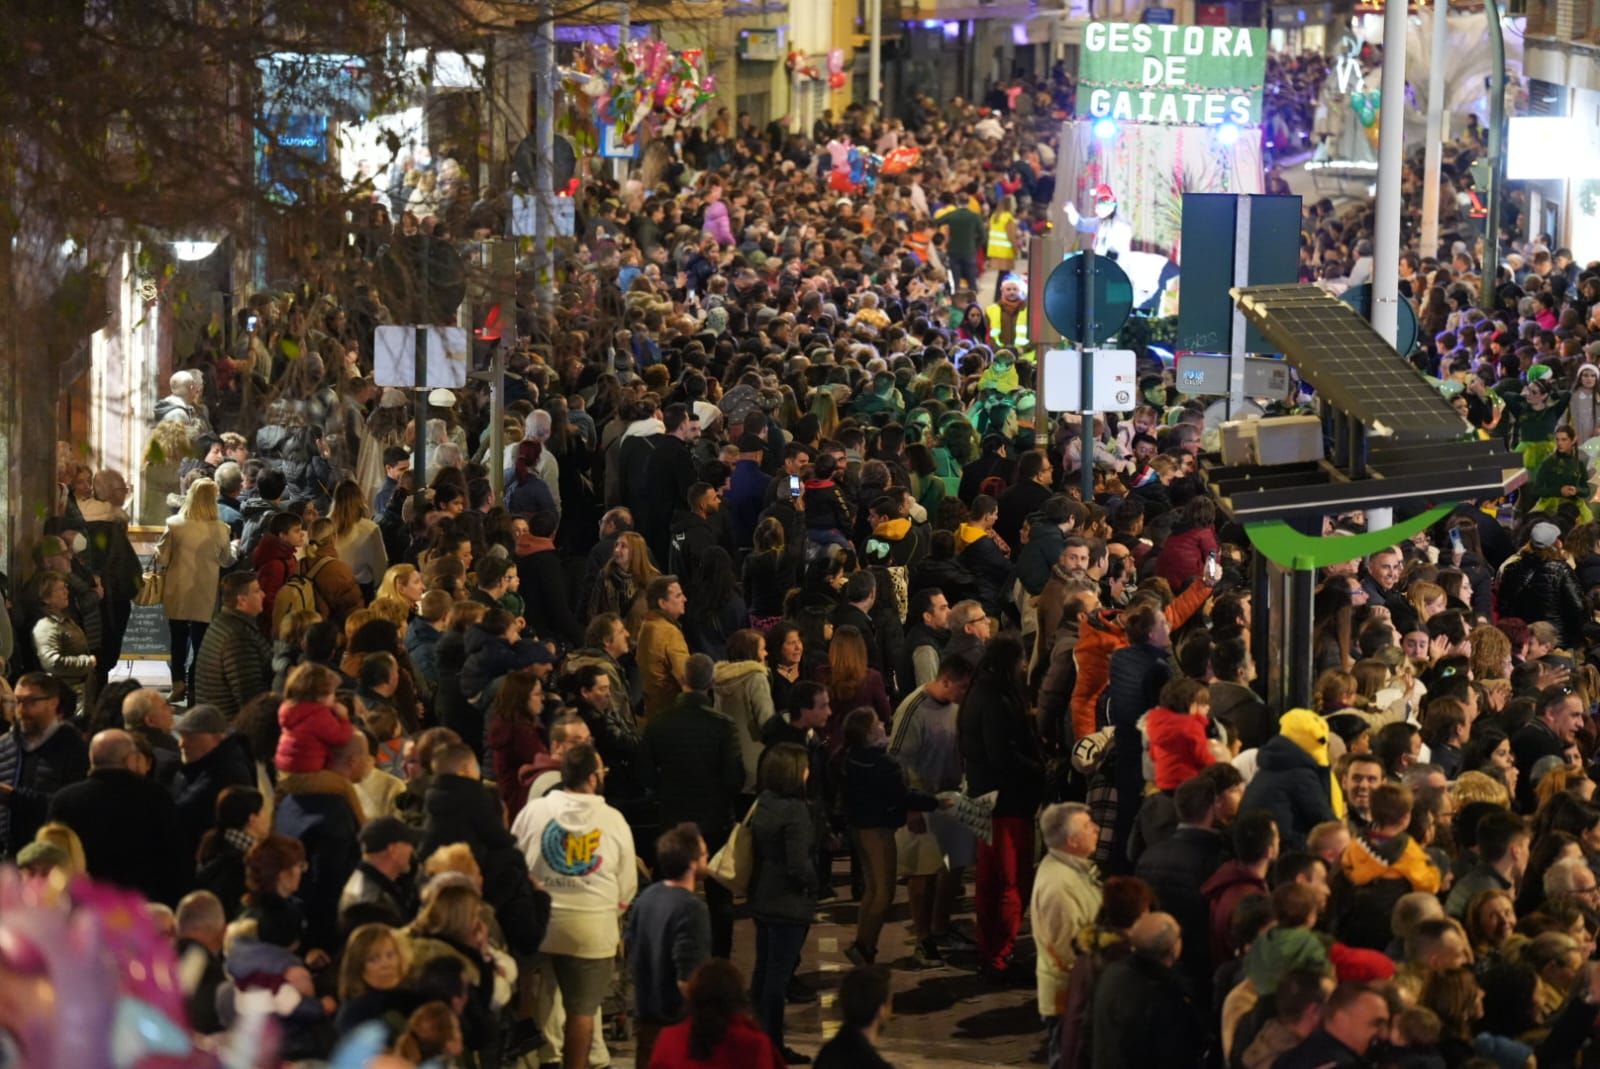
{"type": "Point", "coordinates": [544, 80]}
{"type": "Point", "coordinates": [1433, 150]}
{"type": "Point", "coordinates": [419, 367]}
{"type": "Point", "coordinates": [1086, 380]}
{"type": "Point", "coordinates": [1497, 125]}
{"type": "Point", "coordinates": [875, 51]}
{"type": "Point", "coordinates": [619, 167]}
{"type": "Point", "coordinates": [1239, 333]}
{"type": "Point", "coordinates": [1391, 156]}
{"type": "Point", "coordinates": [497, 413]}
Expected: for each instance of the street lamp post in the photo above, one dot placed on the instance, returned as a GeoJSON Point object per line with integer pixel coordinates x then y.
{"type": "Point", "coordinates": [1497, 124]}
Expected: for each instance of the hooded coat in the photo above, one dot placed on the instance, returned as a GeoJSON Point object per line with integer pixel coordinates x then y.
{"type": "Point", "coordinates": [744, 696]}
{"type": "Point", "coordinates": [1292, 781]}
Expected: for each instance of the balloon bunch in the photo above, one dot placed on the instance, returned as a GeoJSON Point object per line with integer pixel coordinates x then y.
{"type": "Point", "coordinates": [852, 168]}
{"type": "Point", "coordinates": [836, 69]}
{"type": "Point", "coordinates": [627, 85]}
{"type": "Point", "coordinates": [799, 63]}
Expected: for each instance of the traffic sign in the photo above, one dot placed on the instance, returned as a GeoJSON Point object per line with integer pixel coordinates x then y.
{"type": "Point", "coordinates": [1407, 331]}
{"type": "Point", "coordinates": [1063, 298]}
{"type": "Point", "coordinates": [1115, 386]}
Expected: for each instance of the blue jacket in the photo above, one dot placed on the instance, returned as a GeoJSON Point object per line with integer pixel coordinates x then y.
{"type": "Point", "coordinates": [1291, 786]}
{"type": "Point", "coordinates": [528, 497]}
{"type": "Point", "coordinates": [422, 639]}
{"type": "Point", "coordinates": [747, 493]}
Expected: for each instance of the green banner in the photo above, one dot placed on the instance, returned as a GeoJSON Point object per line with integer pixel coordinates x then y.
{"type": "Point", "coordinates": [1172, 75]}
{"type": "Point", "coordinates": [1288, 548]}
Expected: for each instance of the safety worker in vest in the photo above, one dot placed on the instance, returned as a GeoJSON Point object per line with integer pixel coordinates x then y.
{"type": "Point", "coordinates": [1008, 317]}
{"type": "Point", "coordinates": [1005, 241]}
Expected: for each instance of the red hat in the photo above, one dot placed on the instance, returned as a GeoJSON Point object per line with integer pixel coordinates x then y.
{"type": "Point", "coordinates": [1103, 192]}
{"type": "Point", "coordinates": [1353, 965]}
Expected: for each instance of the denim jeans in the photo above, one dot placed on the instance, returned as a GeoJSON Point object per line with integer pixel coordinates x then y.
{"type": "Point", "coordinates": [778, 950]}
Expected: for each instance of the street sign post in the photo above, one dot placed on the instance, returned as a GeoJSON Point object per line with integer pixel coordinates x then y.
{"type": "Point", "coordinates": [1087, 298]}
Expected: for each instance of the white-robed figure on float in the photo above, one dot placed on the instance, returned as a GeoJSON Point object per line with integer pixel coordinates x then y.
{"type": "Point", "coordinates": [1113, 235]}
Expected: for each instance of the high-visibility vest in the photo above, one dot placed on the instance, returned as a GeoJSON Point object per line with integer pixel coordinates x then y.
{"type": "Point", "coordinates": [996, 317]}
{"type": "Point", "coordinates": [1000, 247]}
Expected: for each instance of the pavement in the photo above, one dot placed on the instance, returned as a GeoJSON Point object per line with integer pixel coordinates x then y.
{"type": "Point", "coordinates": [944, 1018]}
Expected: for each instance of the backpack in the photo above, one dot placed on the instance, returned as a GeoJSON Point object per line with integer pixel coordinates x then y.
{"type": "Point", "coordinates": [299, 594]}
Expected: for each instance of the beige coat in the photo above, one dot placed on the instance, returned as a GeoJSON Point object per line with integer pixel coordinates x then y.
{"type": "Point", "coordinates": [191, 556]}
{"type": "Point", "coordinates": [744, 695]}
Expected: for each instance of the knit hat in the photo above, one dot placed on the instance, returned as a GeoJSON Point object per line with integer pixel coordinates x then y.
{"type": "Point", "coordinates": [1354, 965]}
{"type": "Point", "coordinates": [717, 320]}
{"type": "Point", "coordinates": [1279, 951]}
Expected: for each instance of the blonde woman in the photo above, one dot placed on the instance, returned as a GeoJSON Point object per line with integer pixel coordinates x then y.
{"type": "Point", "coordinates": [358, 539]}
{"type": "Point", "coordinates": [403, 583]}
{"type": "Point", "coordinates": [191, 554]}
{"type": "Point", "coordinates": [169, 444]}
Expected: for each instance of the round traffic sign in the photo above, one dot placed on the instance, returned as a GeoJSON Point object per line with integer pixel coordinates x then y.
{"type": "Point", "coordinates": [1063, 298]}
{"type": "Point", "coordinates": [1407, 332]}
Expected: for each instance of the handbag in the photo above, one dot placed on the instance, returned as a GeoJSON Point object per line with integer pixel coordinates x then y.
{"type": "Point", "coordinates": [151, 588]}
{"type": "Point", "coordinates": [733, 864]}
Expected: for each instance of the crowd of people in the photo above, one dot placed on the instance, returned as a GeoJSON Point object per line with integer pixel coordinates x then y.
{"type": "Point", "coordinates": [791, 596]}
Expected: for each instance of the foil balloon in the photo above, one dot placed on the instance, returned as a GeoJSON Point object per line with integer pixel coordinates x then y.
{"type": "Point", "coordinates": [901, 160]}
{"type": "Point", "coordinates": [858, 165]}
{"type": "Point", "coordinates": [87, 982]}
{"type": "Point", "coordinates": [836, 61]}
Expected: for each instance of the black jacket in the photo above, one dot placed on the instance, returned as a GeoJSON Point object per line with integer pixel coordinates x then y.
{"type": "Point", "coordinates": [222, 873]}
{"type": "Point", "coordinates": [845, 613]}
{"type": "Point", "coordinates": [450, 706]}
{"type": "Point", "coordinates": [462, 810]}
{"type": "Point", "coordinates": [950, 576]}
{"type": "Point", "coordinates": [991, 571]}
{"type": "Point", "coordinates": [1143, 1016]}
{"type": "Point", "coordinates": [1175, 869]}
{"type": "Point", "coordinates": [328, 829]}
{"type": "Point", "coordinates": [1291, 786]}
{"type": "Point", "coordinates": [1536, 589]}
{"type": "Point", "coordinates": [691, 757]}
{"type": "Point", "coordinates": [547, 599]}
{"type": "Point", "coordinates": [668, 476]}
{"type": "Point", "coordinates": [1016, 505]}
{"type": "Point", "coordinates": [999, 749]}
{"type": "Point", "coordinates": [35, 776]}
{"type": "Point", "coordinates": [875, 791]}
{"type": "Point", "coordinates": [129, 828]}
{"type": "Point", "coordinates": [691, 536]}
{"type": "Point", "coordinates": [199, 783]}
{"type": "Point", "coordinates": [1244, 714]}
{"type": "Point", "coordinates": [783, 884]}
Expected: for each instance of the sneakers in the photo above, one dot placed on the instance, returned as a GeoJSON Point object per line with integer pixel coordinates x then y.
{"type": "Point", "coordinates": [798, 993]}
{"type": "Point", "coordinates": [858, 955]}
{"type": "Point", "coordinates": [927, 956]}
{"type": "Point", "coordinates": [955, 940]}
{"type": "Point", "coordinates": [794, 1057]}
{"type": "Point", "coordinates": [177, 693]}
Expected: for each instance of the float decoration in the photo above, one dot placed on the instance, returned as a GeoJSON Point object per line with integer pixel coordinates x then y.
{"type": "Point", "coordinates": [627, 85]}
